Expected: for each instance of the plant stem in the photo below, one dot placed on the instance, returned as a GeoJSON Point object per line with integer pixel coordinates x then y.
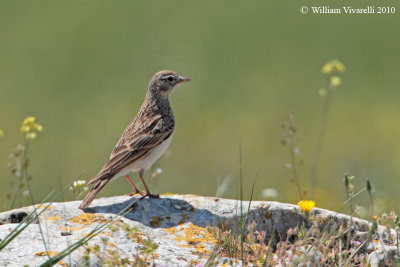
{"type": "Point", "coordinates": [320, 138]}
{"type": "Point", "coordinates": [294, 168]}
{"type": "Point", "coordinates": [25, 171]}
{"type": "Point", "coordinates": [241, 200]}
{"type": "Point", "coordinates": [397, 237]}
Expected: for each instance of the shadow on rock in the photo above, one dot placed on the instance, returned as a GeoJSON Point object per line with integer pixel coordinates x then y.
{"type": "Point", "coordinates": [160, 212]}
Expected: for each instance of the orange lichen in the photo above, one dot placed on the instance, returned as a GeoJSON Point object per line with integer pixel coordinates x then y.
{"type": "Point", "coordinates": [194, 262]}
{"type": "Point", "coordinates": [107, 233]}
{"type": "Point", "coordinates": [201, 248]}
{"type": "Point", "coordinates": [111, 244]}
{"type": "Point", "coordinates": [63, 264]}
{"type": "Point", "coordinates": [44, 253]}
{"type": "Point", "coordinates": [56, 218]}
{"type": "Point", "coordinates": [88, 218]}
{"type": "Point", "coordinates": [139, 237]}
{"type": "Point", "coordinates": [156, 221]}
{"type": "Point", "coordinates": [72, 229]}
{"type": "Point", "coordinates": [171, 230]}
{"type": "Point", "coordinates": [195, 237]}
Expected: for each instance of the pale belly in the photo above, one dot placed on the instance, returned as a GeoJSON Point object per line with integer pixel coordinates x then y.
{"type": "Point", "coordinates": [148, 161]}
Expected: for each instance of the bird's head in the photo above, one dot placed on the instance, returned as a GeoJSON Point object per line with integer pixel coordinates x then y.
{"type": "Point", "coordinates": [164, 82]}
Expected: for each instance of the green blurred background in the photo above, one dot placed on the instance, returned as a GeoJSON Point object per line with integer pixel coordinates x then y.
{"type": "Point", "coordinates": [82, 68]}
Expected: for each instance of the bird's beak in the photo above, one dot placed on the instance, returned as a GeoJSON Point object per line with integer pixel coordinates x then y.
{"type": "Point", "coordinates": [183, 79]}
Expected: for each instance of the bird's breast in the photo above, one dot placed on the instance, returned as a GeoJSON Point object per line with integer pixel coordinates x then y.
{"type": "Point", "coordinates": [148, 160]}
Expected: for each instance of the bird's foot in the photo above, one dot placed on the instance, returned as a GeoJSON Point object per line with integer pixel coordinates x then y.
{"type": "Point", "coordinates": [150, 196]}
{"type": "Point", "coordinates": [135, 193]}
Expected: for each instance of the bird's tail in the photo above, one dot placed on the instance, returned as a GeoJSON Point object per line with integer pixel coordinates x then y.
{"type": "Point", "coordinates": [93, 192]}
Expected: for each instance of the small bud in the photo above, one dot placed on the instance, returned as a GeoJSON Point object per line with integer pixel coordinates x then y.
{"type": "Point", "coordinates": [369, 187]}
{"type": "Point", "coordinates": [322, 92]}
{"type": "Point", "coordinates": [336, 81]}
{"type": "Point", "coordinates": [38, 127]}
{"type": "Point", "coordinates": [373, 228]}
{"type": "Point", "coordinates": [30, 136]}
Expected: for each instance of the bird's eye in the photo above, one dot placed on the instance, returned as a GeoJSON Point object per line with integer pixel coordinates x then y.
{"type": "Point", "coordinates": [170, 78]}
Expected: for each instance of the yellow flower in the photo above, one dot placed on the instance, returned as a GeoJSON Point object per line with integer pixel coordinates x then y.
{"type": "Point", "coordinates": [38, 127]}
{"type": "Point", "coordinates": [306, 205]}
{"type": "Point", "coordinates": [31, 136]}
{"type": "Point", "coordinates": [333, 65]}
{"type": "Point", "coordinates": [327, 68]}
{"type": "Point", "coordinates": [1, 133]}
{"type": "Point", "coordinates": [29, 120]}
{"type": "Point", "coordinates": [336, 81]}
{"type": "Point", "coordinates": [29, 128]}
{"type": "Point", "coordinates": [25, 129]}
{"type": "Point", "coordinates": [339, 66]}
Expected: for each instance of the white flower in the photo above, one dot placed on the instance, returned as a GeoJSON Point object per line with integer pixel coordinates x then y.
{"type": "Point", "coordinates": [271, 193]}
{"type": "Point", "coordinates": [78, 187]}
{"type": "Point", "coordinates": [156, 172]}
{"type": "Point", "coordinates": [79, 183]}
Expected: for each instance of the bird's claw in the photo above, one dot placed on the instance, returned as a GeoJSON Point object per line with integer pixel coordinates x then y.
{"type": "Point", "coordinates": [150, 196]}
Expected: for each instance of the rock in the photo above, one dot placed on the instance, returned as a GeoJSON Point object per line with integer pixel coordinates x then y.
{"type": "Point", "coordinates": [171, 230]}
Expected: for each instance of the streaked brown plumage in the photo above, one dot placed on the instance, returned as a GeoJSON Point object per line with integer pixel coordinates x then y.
{"type": "Point", "coordinates": [145, 138]}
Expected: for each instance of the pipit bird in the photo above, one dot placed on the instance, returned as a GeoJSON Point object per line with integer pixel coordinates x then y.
{"type": "Point", "coordinates": [144, 140]}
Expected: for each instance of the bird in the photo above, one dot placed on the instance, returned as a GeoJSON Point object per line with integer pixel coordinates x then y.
{"type": "Point", "coordinates": [144, 140]}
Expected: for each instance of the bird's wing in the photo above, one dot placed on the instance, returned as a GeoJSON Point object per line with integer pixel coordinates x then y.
{"type": "Point", "coordinates": [134, 144]}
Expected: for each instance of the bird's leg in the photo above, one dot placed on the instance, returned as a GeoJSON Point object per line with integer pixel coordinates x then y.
{"type": "Point", "coordinates": [148, 194]}
{"type": "Point", "coordinates": [137, 191]}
